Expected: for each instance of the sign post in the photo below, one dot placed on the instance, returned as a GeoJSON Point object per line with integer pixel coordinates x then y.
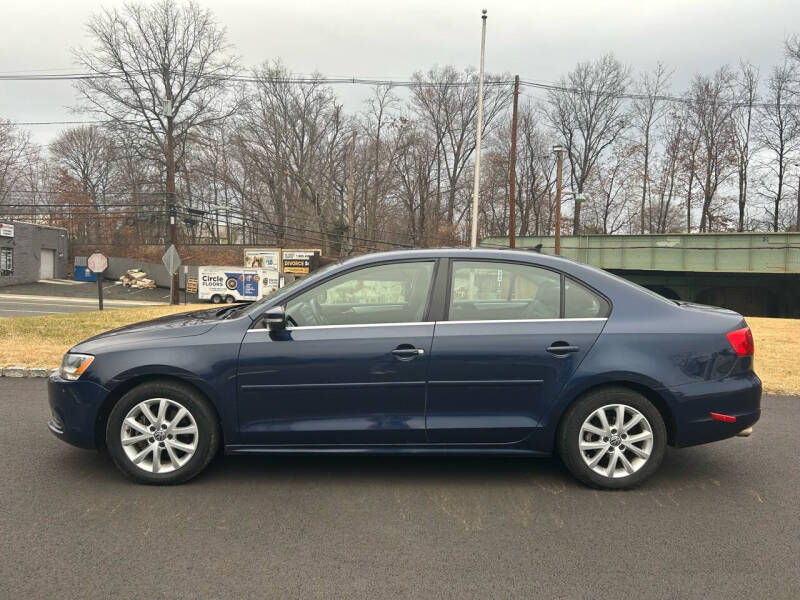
{"type": "Point", "coordinates": [172, 261]}
{"type": "Point", "coordinates": [98, 263]}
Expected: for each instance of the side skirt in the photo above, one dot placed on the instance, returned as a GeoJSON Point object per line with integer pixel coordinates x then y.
{"type": "Point", "coordinates": [420, 449]}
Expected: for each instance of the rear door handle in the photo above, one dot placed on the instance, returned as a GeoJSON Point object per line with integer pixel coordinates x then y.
{"type": "Point", "coordinates": [562, 348]}
{"type": "Point", "coordinates": [407, 353]}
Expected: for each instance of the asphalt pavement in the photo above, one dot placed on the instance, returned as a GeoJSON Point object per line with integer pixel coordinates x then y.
{"type": "Point", "coordinates": [65, 296]}
{"type": "Point", "coordinates": [717, 521]}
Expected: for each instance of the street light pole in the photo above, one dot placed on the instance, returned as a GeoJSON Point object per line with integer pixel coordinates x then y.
{"type": "Point", "coordinates": [559, 150]}
{"type": "Point", "coordinates": [797, 224]}
{"type": "Point", "coordinates": [512, 172]}
{"type": "Point", "coordinates": [476, 185]}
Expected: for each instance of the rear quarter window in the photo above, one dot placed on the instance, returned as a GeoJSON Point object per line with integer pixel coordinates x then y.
{"type": "Point", "coordinates": [582, 303]}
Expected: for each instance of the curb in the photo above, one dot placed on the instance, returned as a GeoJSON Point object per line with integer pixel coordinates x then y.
{"type": "Point", "coordinates": [30, 372]}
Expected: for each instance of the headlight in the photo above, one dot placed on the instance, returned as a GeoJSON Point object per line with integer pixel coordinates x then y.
{"type": "Point", "coordinates": [73, 365]}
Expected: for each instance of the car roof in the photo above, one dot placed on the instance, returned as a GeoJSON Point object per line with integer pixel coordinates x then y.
{"type": "Point", "coordinates": [465, 253]}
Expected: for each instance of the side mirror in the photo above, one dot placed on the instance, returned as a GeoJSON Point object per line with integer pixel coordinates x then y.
{"type": "Point", "coordinates": [275, 318]}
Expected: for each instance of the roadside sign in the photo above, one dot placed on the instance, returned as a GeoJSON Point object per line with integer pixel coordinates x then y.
{"type": "Point", "coordinates": [97, 262]}
{"type": "Point", "coordinates": [298, 261]}
{"type": "Point", "coordinates": [262, 258]}
{"type": "Point", "coordinates": [7, 229]}
{"type": "Point", "coordinates": [171, 260]}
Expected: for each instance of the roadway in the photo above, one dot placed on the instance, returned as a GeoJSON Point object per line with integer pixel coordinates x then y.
{"type": "Point", "coordinates": [66, 296]}
{"type": "Point", "coordinates": [717, 521]}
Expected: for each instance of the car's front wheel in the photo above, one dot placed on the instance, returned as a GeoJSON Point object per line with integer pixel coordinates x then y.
{"type": "Point", "coordinates": [612, 438]}
{"type": "Point", "coordinates": [162, 432]}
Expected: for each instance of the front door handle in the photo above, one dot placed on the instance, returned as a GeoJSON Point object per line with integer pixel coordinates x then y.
{"type": "Point", "coordinates": [407, 353]}
{"type": "Point", "coordinates": [562, 348]}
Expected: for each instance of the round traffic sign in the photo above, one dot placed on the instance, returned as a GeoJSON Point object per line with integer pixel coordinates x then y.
{"type": "Point", "coordinates": [97, 263]}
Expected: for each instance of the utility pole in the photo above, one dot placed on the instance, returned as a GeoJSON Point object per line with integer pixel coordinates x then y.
{"type": "Point", "coordinates": [559, 150]}
{"type": "Point", "coordinates": [173, 226]}
{"type": "Point", "coordinates": [351, 227]}
{"type": "Point", "coordinates": [476, 185]}
{"type": "Point", "coordinates": [512, 175]}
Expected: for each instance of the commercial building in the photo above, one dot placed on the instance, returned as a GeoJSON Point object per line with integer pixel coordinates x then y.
{"type": "Point", "coordinates": [30, 252]}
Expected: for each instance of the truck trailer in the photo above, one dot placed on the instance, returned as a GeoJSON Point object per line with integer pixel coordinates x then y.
{"type": "Point", "coordinates": [235, 284]}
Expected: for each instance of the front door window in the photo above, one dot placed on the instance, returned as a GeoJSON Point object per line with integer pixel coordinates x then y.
{"type": "Point", "coordinates": [390, 293]}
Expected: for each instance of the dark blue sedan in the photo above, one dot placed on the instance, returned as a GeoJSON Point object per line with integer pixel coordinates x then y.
{"type": "Point", "coordinates": [424, 351]}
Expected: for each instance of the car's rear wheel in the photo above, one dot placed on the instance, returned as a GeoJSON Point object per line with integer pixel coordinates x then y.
{"type": "Point", "coordinates": [229, 299]}
{"type": "Point", "coordinates": [612, 438]}
{"type": "Point", "coordinates": [162, 432]}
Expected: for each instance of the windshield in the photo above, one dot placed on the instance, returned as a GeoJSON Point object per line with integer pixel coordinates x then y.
{"type": "Point", "coordinates": [249, 309]}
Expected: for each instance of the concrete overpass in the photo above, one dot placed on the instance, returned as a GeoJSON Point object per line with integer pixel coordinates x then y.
{"type": "Point", "coordinates": [757, 274]}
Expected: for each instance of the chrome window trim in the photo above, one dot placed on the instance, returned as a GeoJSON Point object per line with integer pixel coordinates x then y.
{"type": "Point", "coordinates": [405, 324]}
{"type": "Point", "coordinates": [408, 324]}
{"type": "Point", "coordinates": [524, 320]}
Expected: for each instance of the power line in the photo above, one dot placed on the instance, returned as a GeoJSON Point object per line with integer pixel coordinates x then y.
{"type": "Point", "coordinates": [395, 83]}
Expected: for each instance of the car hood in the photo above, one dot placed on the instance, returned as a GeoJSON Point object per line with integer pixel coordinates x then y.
{"type": "Point", "coordinates": [170, 326]}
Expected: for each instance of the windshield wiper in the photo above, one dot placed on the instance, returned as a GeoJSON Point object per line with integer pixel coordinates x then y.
{"type": "Point", "coordinates": [232, 310]}
{"type": "Point", "coordinates": [222, 311]}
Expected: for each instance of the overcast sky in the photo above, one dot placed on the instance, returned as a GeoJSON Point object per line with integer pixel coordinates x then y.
{"type": "Point", "coordinates": [537, 40]}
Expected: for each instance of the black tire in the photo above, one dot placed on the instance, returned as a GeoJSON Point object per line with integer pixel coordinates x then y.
{"type": "Point", "coordinates": [229, 299]}
{"type": "Point", "coordinates": [570, 431]}
{"type": "Point", "coordinates": [216, 299]}
{"type": "Point", "coordinates": [199, 408]}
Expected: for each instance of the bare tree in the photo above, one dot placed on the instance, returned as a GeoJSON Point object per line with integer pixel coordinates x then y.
{"type": "Point", "coordinates": [86, 154]}
{"type": "Point", "coordinates": [648, 109]}
{"type": "Point", "coordinates": [536, 175]}
{"type": "Point", "coordinates": [448, 101]}
{"type": "Point", "coordinates": [15, 148]}
{"type": "Point", "coordinates": [673, 132]}
{"type": "Point", "coordinates": [161, 69]}
{"type": "Point", "coordinates": [295, 135]}
{"type": "Point", "coordinates": [614, 182]}
{"type": "Point", "coordinates": [380, 114]}
{"type": "Point", "coordinates": [778, 134]}
{"type": "Point", "coordinates": [588, 114]}
{"type": "Point", "coordinates": [746, 95]}
{"type": "Point", "coordinates": [711, 109]}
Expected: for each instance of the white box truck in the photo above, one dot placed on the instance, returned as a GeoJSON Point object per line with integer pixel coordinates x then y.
{"type": "Point", "coordinates": [235, 284]}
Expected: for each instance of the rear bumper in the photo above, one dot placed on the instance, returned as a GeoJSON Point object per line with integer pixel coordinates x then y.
{"type": "Point", "coordinates": [74, 406]}
{"type": "Point", "coordinates": [738, 397]}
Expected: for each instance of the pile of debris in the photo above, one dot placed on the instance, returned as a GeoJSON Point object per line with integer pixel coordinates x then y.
{"type": "Point", "coordinates": [134, 278]}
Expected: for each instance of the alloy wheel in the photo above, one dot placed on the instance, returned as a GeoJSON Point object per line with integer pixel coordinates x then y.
{"type": "Point", "coordinates": [615, 440]}
{"type": "Point", "coordinates": [159, 435]}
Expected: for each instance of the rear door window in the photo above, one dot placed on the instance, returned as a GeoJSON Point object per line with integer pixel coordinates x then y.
{"type": "Point", "coordinates": [486, 290]}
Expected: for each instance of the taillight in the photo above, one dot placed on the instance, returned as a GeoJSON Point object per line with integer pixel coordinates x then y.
{"type": "Point", "coordinates": [742, 341]}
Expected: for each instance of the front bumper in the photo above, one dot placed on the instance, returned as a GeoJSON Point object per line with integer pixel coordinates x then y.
{"type": "Point", "coordinates": [74, 407]}
{"type": "Point", "coordinates": [738, 396]}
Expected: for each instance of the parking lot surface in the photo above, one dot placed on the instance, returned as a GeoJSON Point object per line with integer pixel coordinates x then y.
{"type": "Point", "coordinates": [717, 521]}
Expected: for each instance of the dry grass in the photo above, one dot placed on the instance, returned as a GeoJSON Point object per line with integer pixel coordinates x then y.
{"type": "Point", "coordinates": [42, 341]}
{"type": "Point", "coordinates": [776, 363]}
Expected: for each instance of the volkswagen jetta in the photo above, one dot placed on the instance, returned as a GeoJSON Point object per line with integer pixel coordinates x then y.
{"type": "Point", "coordinates": [421, 351]}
